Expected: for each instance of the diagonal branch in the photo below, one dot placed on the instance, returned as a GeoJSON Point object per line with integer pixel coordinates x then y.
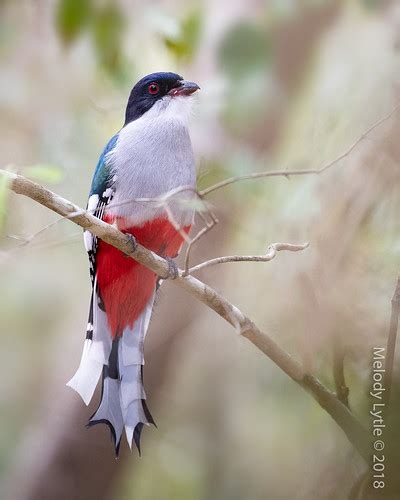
{"type": "Point", "coordinates": [353, 429]}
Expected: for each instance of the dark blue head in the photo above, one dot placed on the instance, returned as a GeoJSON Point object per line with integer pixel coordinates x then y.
{"type": "Point", "coordinates": [152, 88]}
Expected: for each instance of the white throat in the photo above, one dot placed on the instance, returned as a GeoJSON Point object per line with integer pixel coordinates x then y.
{"type": "Point", "coordinates": [177, 108]}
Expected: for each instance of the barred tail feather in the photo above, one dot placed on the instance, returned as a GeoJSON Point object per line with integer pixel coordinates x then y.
{"type": "Point", "coordinates": [120, 361]}
{"type": "Point", "coordinates": [131, 361]}
{"type": "Point", "coordinates": [109, 411]}
{"type": "Point", "coordinates": [133, 404]}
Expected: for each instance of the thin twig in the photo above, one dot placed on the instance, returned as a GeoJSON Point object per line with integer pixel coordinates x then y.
{"type": "Point", "coordinates": [158, 201]}
{"type": "Point", "coordinates": [353, 429]}
{"type": "Point", "coordinates": [290, 173]}
{"type": "Point", "coordinates": [342, 391]}
{"type": "Point", "coordinates": [273, 249]}
{"type": "Point", "coordinates": [176, 225]}
{"type": "Point", "coordinates": [27, 240]}
{"type": "Point", "coordinates": [391, 342]}
{"type": "Point", "coordinates": [208, 226]}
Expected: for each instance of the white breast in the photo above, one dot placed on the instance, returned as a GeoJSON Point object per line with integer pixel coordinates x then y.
{"type": "Point", "coordinates": [153, 155]}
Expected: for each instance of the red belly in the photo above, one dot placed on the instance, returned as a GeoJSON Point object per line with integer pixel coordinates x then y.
{"type": "Point", "coordinates": [125, 285]}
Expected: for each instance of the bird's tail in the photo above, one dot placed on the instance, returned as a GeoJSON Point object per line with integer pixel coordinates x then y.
{"type": "Point", "coordinates": [120, 362]}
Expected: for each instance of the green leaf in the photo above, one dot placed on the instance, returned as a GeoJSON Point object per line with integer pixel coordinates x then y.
{"type": "Point", "coordinates": [108, 25]}
{"type": "Point", "coordinates": [44, 173]}
{"type": "Point", "coordinates": [185, 42]}
{"type": "Point", "coordinates": [72, 16]}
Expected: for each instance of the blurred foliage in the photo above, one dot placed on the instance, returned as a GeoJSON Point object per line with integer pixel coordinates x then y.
{"type": "Point", "coordinates": [372, 4]}
{"type": "Point", "coordinates": [41, 173]}
{"type": "Point", "coordinates": [212, 172]}
{"type": "Point", "coordinates": [72, 17]}
{"type": "Point", "coordinates": [245, 55]}
{"type": "Point", "coordinates": [108, 29]}
{"type": "Point", "coordinates": [44, 173]}
{"type": "Point", "coordinates": [245, 49]}
{"type": "Point", "coordinates": [184, 41]}
{"type": "Point", "coordinates": [105, 23]}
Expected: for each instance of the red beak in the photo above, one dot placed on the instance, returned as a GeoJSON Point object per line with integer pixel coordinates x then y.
{"type": "Point", "coordinates": [185, 88]}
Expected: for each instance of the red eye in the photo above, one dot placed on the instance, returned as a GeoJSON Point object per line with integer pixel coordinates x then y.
{"type": "Point", "coordinates": [154, 88]}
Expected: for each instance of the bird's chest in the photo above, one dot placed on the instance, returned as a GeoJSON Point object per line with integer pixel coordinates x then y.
{"type": "Point", "coordinates": [149, 162]}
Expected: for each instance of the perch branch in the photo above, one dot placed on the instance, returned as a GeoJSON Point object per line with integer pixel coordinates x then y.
{"type": "Point", "coordinates": [353, 429]}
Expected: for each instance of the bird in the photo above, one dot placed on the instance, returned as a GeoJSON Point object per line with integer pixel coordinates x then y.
{"type": "Point", "coordinates": [149, 157]}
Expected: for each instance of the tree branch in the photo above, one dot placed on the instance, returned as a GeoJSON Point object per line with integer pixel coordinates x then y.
{"type": "Point", "coordinates": [342, 391]}
{"type": "Point", "coordinates": [391, 342]}
{"type": "Point", "coordinates": [353, 429]}
{"type": "Point", "coordinates": [272, 250]}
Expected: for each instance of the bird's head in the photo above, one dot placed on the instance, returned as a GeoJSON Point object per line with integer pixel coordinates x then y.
{"type": "Point", "coordinates": [157, 92]}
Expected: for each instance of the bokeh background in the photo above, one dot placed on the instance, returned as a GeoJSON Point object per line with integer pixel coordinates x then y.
{"type": "Point", "coordinates": [284, 84]}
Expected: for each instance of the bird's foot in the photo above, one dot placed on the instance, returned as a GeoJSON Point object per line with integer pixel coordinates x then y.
{"type": "Point", "coordinates": [173, 270]}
